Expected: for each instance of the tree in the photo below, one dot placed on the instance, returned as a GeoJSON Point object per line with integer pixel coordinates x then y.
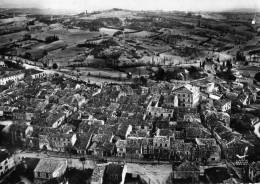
{"type": "Point", "coordinates": [229, 65]}
{"type": "Point", "coordinates": [257, 77]}
{"type": "Point", "coordinates": [55, 66]}
{"type": "Point", "coordinates": [83, 160]}
{"type": "Point", "coordinates": [27, 55]}
{"type": "Point", "coordinates": [27, 37]}
{"type": "Point", "coordinates": [240, 56]}
{"type": "Point", "coordinates": [50, 39]}
{"type": "Point", "coordinates": [160, 74]}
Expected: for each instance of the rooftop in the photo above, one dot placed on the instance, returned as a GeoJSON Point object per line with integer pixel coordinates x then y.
{"type": "Point", "coordinates": [49, 165]}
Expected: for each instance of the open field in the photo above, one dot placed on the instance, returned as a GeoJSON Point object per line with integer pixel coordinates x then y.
{"type": "Point", "coordinates": [179, 36]}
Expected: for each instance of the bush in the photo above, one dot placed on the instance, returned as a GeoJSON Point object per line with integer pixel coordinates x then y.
{"type": "Point", "coordinates": [50, 39]}
{"type": "Point", "coordinates": [55, 66]}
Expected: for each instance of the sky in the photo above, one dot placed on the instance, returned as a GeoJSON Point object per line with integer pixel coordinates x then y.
{"type": "Point", "coordinates": [167, 5]}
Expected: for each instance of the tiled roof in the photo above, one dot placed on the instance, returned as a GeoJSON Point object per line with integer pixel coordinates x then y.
{"type": "Point", "coordinates": [83, 141]}
{"type": "Point", "coordinates": [49, 165]}
{"type": "Point", "coordinates": [98, 173]}
{"type": "Point", "coordinates": [187, 166]}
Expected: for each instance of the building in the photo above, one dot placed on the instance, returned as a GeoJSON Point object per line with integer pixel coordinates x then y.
{"type": "Point", "coordinates": [124, 130]}
{"type": "Point", "coordinates": [13, 77]}
{"type": "Point", "coordinates": [56, 119]}
{"type": "Point", "coordinates": [19, 132]}
{"type": "Point", "coordinates": [161, 147]}
{"type": "Point", "coordinates": [254, 172]}
{"type": "Point", "coordinates": [7, 162]}
{"type": "Point", "coordinates": [133, 147]}
{"type": "Point", "coordinates": [121, 148]}
{"type": "Point", "coordinates": [207, 150]}
{"type": "Point", "coordinates": [147, 148]}
{"type": "Point", "coordinates": [222, 105]}
{"type": "Point", "coordinates": [98, 174]}
{"type": "Point", "coordinates": [7, 112]}
{"type": "Point", "coordinates": [56, 141]}
{"type": "Point", "coordinates": [188, 95]}
{"type": "Point", "coordinates": [48, 169]}
{"type": "Point", "coordinates": [36, 74]}
{"type": "Point", "coordinates": [82, 143]}
{"type": "Point", "coordinates": [187, 172]}
{"type": "Point", "coordinates": [115, 174]}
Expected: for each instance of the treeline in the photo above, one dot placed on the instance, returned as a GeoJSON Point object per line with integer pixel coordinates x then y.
{"type": "Point", "coordinates": [50, 39]}
{"type": "Point", "coordinates": [95, 25]}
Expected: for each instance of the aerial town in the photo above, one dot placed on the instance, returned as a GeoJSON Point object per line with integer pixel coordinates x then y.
{"type": "Point", "coordinates": [129, 97]}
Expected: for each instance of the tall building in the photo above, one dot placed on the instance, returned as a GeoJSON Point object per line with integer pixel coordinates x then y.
{"type": "Point", "coordinates": [188, 95]}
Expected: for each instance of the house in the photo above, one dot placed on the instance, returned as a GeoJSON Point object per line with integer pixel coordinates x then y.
{"type": "Point", "coordinates": [7, 162]}
{"type": "Point", "coordinates": [7, 112]}
{"type": "Point", "coordinates": [205, 86]}
{"type": "Point", "coordinates": [36, 74]}
{"type": "Point", "coordinates": [133, 147]}
{"type": "Point", "coordinates": [121, 148]}
{"type": "Point", "coordinates": [102, 144]}
{"type": "Point", "coordinates": [161, 142]}
{"type": "Point", "coordinates": [124, 130]}
{"type": "Point", "coordinates": [98, 174]}
{"type": "Point", "coordinates": [234, 148]}
{"type": "Point", "coordinates": [12, 77]}
{"type": "Point", "coordinates": [224, 135]}
{"type": "Point", "coordinates": [102, 149]}
{"type": "Point", "coordinates": [147, 148]}
{"type": "Point", "coordinates": [182, 150]}
{"type": "Point", "coordinates": [188, 95]}
{"type": "Point", "coordinates": [48, 169]}
{"type": "Point", "coordinates": [56, 119]}
{"type": "Point", "coordinates": [192, 117]}
{"type": "Point", "coordinates": [161, 147]}
{"type": "Point", "coordinates": [160, 112]}
{"type": "Point", "coordinates": [254, 172]}
{"type": "Point", "coordinates": [82, 143]}
{"type": "Point", "coordinates": [222, 105]}
{"type": "Point", "coordinates": [192, 133]}
{"type": "Point", "coordinates": [56, 141]}
{"type": "Point", "coordinates": [207, 150]}
{"type": "Point", "coordinates": [170, 100]}
{"type": "Point", "coordinates": [19, 132]}
{"type": "Point", "coordinates": [187, 172]}
{"type": "Point", "coordinates": [23, 115]}
{"type": "Point", "coordinates": [115, 174]}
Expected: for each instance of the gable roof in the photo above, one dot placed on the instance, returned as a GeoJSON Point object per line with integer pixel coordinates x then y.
{"type": "Point", "coordinates": [49, 165]}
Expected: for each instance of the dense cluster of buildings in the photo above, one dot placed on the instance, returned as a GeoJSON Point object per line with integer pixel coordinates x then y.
{"type": "Point", "coordinates": [185, 124]}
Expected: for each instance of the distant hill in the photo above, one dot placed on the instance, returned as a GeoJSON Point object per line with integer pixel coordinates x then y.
{"type": "Point", "coordinates": [242, 10]}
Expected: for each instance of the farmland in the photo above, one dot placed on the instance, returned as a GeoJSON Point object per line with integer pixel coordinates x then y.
{"type": "Point", "coordinates": [122, 38]}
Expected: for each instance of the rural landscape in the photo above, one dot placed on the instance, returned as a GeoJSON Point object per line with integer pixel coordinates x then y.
{"type": "Point", "coordinates": [122, 96]}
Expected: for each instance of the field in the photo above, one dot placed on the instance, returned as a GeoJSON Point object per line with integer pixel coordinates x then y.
{"type": "Point", "coordinates": [181, 36]}
{"type": "Point", "coordinates": [106, 73]}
